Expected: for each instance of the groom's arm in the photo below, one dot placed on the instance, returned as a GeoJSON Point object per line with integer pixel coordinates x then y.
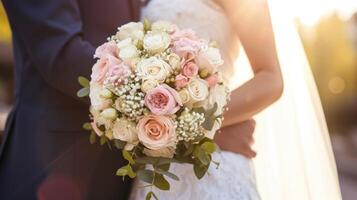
{"type": "Point", "coordinates": [52, 33]}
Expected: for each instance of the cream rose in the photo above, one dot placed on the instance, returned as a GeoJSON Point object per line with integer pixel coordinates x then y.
{"type": "Point", "coordinates": [154, 68]}
{"type": "Point", "coordinates": [184, 95]}
{"type": "Point", "coordinates": [133, 30]}
{"type": "Point", "coordinates": [156, 132]}
{"type": "Point", "coordinates": [210, 59]}
{"type": "Point", "coordinates": [99, 120]}
{"type": "Point", "coordinates": [109, 113]}
{"type": "Point", "coordinates": [148, 85]}
{"type": "Point", "coordinates": [174, 61]}
{"type": "Point", "coordinates": [198, 90]}
{"type": "Point", "coordinates": [163, 26]}
{"type": "Point", "coordinates": [164, 153]}
{"type": "Point", "coordinates": [219, 95]}
{"type": "Point", "coordinates": [156, 41]}
{"type": "Point", "coordinates": [125, 130]}
{"type": "Point", "coordinates": [97, 101]}
{"type": "Point", "coordinates": [128, 51]}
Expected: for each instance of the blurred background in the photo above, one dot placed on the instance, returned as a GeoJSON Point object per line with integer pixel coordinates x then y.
{"type": "Point", "coordinates": [328, 31]}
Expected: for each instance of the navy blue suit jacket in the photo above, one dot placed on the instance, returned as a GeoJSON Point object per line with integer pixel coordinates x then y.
{"type": "Point", "coordinates": [45, 153]}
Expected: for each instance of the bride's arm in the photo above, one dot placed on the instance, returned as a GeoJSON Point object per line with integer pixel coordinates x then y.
{"type": "Point", "coordinates": [251, 20]}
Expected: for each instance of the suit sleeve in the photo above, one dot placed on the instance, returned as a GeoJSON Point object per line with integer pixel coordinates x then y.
{"type": "Point", "coordinates": [52, 33]}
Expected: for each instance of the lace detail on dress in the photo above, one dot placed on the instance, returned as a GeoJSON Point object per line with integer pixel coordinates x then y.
{"type": "Point", "coordinates": [234, 179]}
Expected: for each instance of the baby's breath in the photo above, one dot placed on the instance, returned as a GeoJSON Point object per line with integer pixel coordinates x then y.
{"type": "Point", "coordinates": [188, 125]}
{"type": "Point", "coordinates": [130, 101]}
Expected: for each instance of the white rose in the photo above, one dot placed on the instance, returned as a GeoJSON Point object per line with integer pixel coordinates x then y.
{"type": "Point", "coordinates": [149, 85]}
{"type": "Point", "coordinates": [126, 131]}
{"type": "Point", "coordinates": [97, 101]}
{"type": "Point", "coordinates": [219, 95]}
{"type": "Point", "coordinates": [165, 152]}
{"type": "Point", "coordinates": [133, 30]}
{"type": "Point", "coordinates": [109, 113]}
{"type": "Point", "coordinates": [198, 90]}
{"type": "Point", "coordinates": [184, 95]}
{"type": "Point", "coordinates": [156, 42]}
{"type": "Point", "coordinates": [105, 93]}
{"type": "Point", "coordinates": [162, 26]}
{"type": "Point", "coordinates": [210, 59]}
{"type": "Point", "coordinates": [154, 69]}
{"type": "Point", "coordinates": [174, 60]}
{"type": "Point", "coordinates": [216, 126]}
{"type": "Point", "coordinates": [128, 51]}
{"type": "Point", "coordinates": [100, 120]}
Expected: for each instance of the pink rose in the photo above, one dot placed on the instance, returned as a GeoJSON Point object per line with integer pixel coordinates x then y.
{"type": "Point", "coordinates": [184, 46]}
{"type": "Point", "coordinates": [184, 33]}
{"type": "Point", "coordinates": [156, 132]}
{"type": "Point", "coordinates": [212, 80]}
{"type": "Point", "coordinates": [184, 42]}
{"type": "Point", "coordinates": [117, 73]}
{"type": "Point", "coordinates": [108, 48]}
{"type": "Point", "coordinates": [102, 66]}
{"type": "Point", "coordinates": [163, 100]}
{"type": "Point", "coordinates": [181, 81]}
{"type": "Point", "coordinates": [190, 69]}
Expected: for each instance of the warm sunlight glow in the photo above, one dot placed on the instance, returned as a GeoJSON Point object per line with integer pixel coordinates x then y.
{"type": "Point", "coordinates": [310, 11]}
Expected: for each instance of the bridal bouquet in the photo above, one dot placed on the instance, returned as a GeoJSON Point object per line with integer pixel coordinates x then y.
{"type": "Point", "coordinates": [156, 94]}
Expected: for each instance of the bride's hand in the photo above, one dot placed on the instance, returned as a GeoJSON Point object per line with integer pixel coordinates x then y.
{"type": "Point", "coordinates": [237, 138]}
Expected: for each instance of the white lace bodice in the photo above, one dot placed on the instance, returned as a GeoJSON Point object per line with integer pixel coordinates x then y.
{"type": "Point", "coordinates": [205, 17]}
{"type": "Point", "coordinates": [234, 180]}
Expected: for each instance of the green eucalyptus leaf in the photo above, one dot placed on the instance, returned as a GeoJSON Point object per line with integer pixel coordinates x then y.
{"type": "Point", "coordinates": [131, 173]}
{"type": "Point", "coordinates": [128, 157]}
{"type": "Point", "coordinates": [202, 156]}
{"type": "Point", "coordinates": [147, 25]}
{"type": "Point", "coordinates": [154, 195]}
{"type": "Point", "coordinates": [199, 110]}
{"type": "Point", "coordinates": [206, 139]}
{"type": "Point", "coordinates": [123, 171]}
{"type": "Point", "coordinates": [163, 161]}
{"type": "Point", "coordinates": [119, 144]}
{"type": "Point", "coordinates": [164, 167]}
{"type": "Point", "coordinates": [168, 174]}
{"type": "Point", "coordinates": [146, 175]}
{"type": "Point", "coordinates": [211, 111]}
{"type": "Point", "coordinates": [151, 194]}
{"type": "Point", "coordinates": [199, 170]}
{"type": "Point", "coordinates": [208, 123]}
{"type": "Point", "coordinates": [84, 82]}
{"type": "Point", "coordinates": [147, 160]}
{"type": "Point", "coordinates": [83, 92]}
{"type": "Point", "coordinates": [148, 196]}
{"type": "Point", "coordinates": [87, 126]}
{"type": "Point", "coordinates": [102, 140]}
{"type": "Point", "coordinates": [208, 147]}
{"type": "Point", "coordinates": [160, 182]}
{"type": "Point", "coordinates": [92, 137]}
{"type": "Point", "coordinates": [189, 150]}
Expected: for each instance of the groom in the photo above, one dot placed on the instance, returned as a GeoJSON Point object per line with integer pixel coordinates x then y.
{"type": "Point", "coordinates": [45, 153]}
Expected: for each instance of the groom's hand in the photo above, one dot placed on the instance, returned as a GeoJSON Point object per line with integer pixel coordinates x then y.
{"type": "Point", "coordinates": [237, 138]}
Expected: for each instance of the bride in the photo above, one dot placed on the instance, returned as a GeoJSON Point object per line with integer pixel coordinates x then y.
{"type": "Point", "coordinates": [235, 23]}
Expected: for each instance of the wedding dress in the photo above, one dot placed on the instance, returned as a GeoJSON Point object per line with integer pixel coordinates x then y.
{"type": "Point", "coordinates": [295, 160]}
